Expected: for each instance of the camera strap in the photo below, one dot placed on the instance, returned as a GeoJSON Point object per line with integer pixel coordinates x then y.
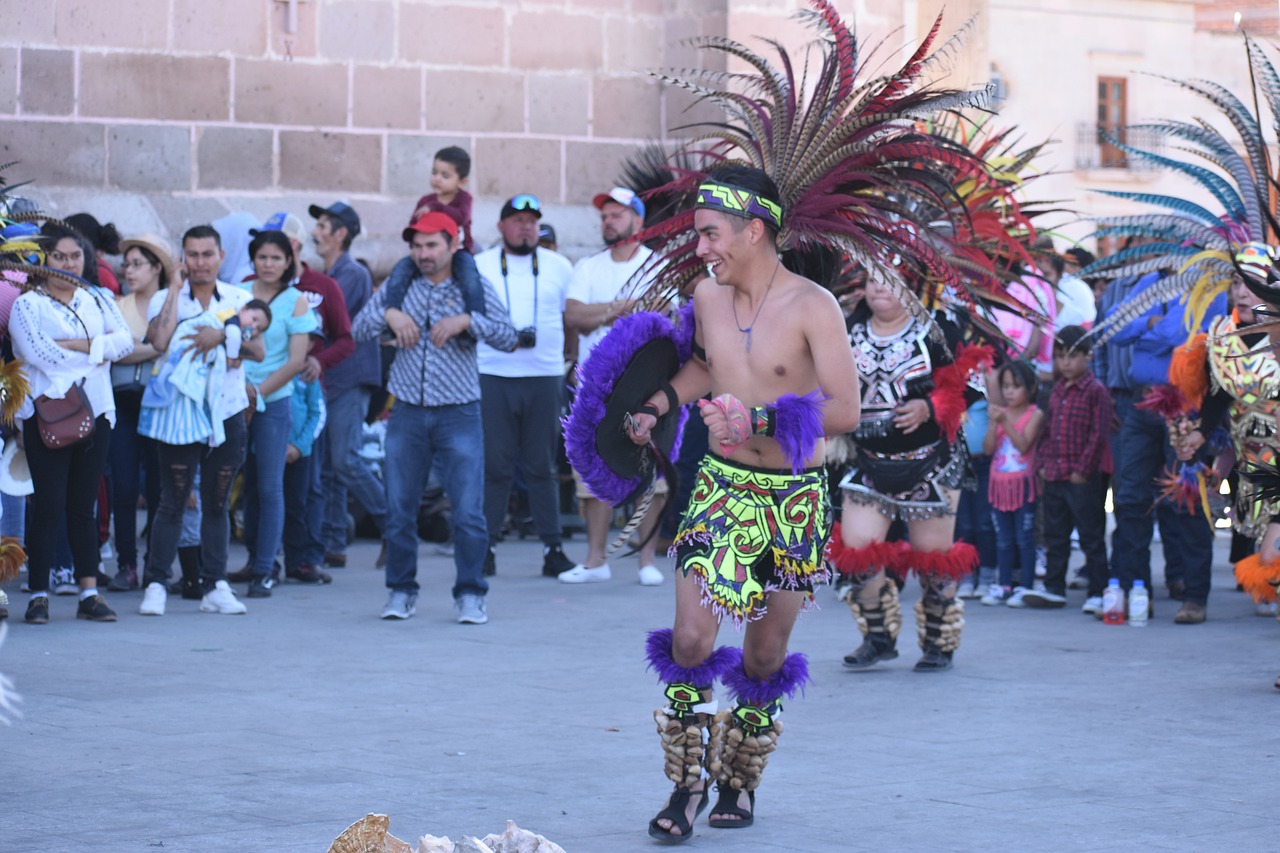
{"type": "Point", "coordinates": [502, 257]}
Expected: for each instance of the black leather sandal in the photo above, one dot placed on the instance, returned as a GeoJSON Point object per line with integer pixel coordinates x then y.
{"type": "Point", "coordinates": [727, 803]}
{"type": "Point", "coordinates": [675, 812]}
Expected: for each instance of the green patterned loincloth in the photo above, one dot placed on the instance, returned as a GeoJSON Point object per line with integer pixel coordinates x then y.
{"type": "Point", "coordinates": [749, 531]}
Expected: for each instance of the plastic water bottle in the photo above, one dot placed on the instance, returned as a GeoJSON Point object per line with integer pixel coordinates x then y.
{"type": "Point", "coordinates": [1139, 605]}
{"type": "Point", "coordinates": [1113, 603]}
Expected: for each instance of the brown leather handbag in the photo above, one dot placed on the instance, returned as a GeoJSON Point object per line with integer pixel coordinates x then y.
{"type": "Point", "coordinates": [65, 422]}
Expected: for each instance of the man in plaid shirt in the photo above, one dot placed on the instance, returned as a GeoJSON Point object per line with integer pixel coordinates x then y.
{"type": "Point", "coordinates": [1074, 460]}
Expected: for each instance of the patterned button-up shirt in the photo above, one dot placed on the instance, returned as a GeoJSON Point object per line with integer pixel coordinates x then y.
{"type": "Point", "coordinates": [428, 375]}
{"type": "Point", "coordinates": [1079, 430]}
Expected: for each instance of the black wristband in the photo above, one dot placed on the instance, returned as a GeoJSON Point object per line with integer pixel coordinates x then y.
{"type": "Point", "coordinates": [648, 409]}
{"type": "Point", "coordinates": [673, 399]}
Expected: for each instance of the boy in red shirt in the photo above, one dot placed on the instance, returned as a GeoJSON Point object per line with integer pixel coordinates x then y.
{"type": "Point", "coordinates": [1074, 458]}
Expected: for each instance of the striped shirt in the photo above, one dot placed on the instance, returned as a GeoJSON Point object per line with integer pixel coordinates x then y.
{"type": "Point", "coordinates": [428, 375]}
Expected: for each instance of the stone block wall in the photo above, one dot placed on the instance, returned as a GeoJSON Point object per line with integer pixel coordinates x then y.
{"type": "Point", "coordinates": [158, 114]}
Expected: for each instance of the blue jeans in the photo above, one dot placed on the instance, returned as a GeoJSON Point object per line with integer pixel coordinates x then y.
{"type": "Point", "coordinates": [304, 509]}
{"type": "Point", "coordinates": [264, 483]}
{"type": "Point", "coordinates": [454, 437]}
{"type": "Point", "coordinates": [974, 522]}
{"type": "Point", "coordinates": [1016, 544]}
{"type": "Point", "coordinates": [1186, 537]}
{"type": "Point", "coordinates": [14, 522]}
{"type": "Point", "coordinates": [346, 470]}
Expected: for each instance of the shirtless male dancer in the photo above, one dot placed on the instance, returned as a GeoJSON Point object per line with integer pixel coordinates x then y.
{"type": "Point", "coordinates": [770, 346]}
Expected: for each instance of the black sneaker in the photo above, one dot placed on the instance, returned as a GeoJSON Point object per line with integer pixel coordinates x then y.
{"type": "Point", "coordinates": [38, 611]}
{"type": "Point", "coordinates": [95, 609]}
{"type": "Point", "coordinates": [554, 561]}
{"type": "Point", "coordinates": [307, 573]}
{"type": "Point", "coordinates": [261, 587]}
{"type": "Point", "coordinates": [125, 580]}
{"type": "Point", "coordinates": [490, 563]}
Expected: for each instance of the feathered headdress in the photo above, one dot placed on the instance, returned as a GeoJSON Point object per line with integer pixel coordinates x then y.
{"type": "Point", "coordinates": [856, 169]}
{"type": "Point", "coordinates": [23, 250]}
{"type": "Point", "coordinates": [1200, 249]}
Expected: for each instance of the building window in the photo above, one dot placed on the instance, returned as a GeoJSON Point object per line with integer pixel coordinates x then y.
{"type": "Point", "coordinates": [1112, 118]}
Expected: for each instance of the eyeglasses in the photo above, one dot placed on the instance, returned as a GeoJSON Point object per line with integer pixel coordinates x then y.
{"type": "Point", "coordinates": [62, 258]}
{"type": "Point", "coordinates": [525, 201]}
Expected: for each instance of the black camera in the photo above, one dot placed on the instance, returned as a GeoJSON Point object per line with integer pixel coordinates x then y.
{"type": "Point", "coordinates": [527, 338]}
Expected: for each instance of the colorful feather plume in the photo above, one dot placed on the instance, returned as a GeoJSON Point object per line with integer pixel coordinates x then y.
{"type": "Point", "coordinates": [14, 389]}
{"type": "Point", "coordinates": [1195, 247]}
{"type": "Point", "coordinates": [857, 171]}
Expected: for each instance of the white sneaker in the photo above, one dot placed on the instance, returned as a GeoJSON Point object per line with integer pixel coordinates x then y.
{"type": "Point", "coordinates": [581, 574]}
{"type": "Point", "coordinates": [153, 600]}
{"type": "Point", "coordinates": [1092, 605]}
{"type": "Point", "coordinates": [966, 590]}
{"type": "Point", "coordinates": [650, 576]}
{"type": "Point", "coordinates": [63, 582]}
{"type": "Point", "coordinates": [221, 599]}
{"type": "Point", "coordinates": [1265, 608]}
{"type": "Point", "coordinates": [994, 596]}
{"type": "Point", "coordinates": [1015, 598]}
{"type": "Point", "coordinates": [471, 609]}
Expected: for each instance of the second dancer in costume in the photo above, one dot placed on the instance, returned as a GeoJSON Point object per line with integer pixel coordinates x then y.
{"type": "Point", "coordinates": [910, 465]}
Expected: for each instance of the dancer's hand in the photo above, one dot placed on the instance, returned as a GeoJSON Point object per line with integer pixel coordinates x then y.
{"type": "Point", "coordinates": [727, 421]}
{"type": "Point", "coordinates": [910, 416]}
{"type": "Point", "coordinates": [640, 427]}
{"type": "Point", "coordinates": [1189, 445]}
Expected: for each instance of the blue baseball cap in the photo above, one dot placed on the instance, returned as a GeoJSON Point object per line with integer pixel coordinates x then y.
{"type": "Point", "coordinates": [340, 211]}
{"type": "Point", "coordinates": [623, 196]}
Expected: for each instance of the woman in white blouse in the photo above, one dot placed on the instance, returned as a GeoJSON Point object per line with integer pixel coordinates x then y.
{"type": "Point", "coordinates": [68, 335]}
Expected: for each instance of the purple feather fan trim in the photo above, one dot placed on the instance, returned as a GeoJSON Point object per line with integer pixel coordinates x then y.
{"type": "Point", "coordinates": [792, 677]}
{"type": "Point", "coordinates": [685, 326]}
{"type": "Point", "coordinates": [658, 652]}
{"type": "Point", "coordinates": [596, 378]}
{"type": "Point", "coordinates": [798, 426]}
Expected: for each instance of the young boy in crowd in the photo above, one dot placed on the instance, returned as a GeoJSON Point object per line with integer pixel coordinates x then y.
{"type": "Point", "coordinates": [449, 174]}
{"type": "Point", "coordinates": [1074, 461]}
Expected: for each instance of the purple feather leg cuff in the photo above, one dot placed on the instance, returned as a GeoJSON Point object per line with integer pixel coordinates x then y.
{"type": "Point", "coordinates": [658, 653]}
{"type": "Point", "coordinates": [790, 678]}
{"type": "Point", "coordinates": [799, 426]}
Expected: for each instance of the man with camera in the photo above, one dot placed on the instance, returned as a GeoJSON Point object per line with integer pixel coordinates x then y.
{"type": "Point", "coordinates": [521, 391]}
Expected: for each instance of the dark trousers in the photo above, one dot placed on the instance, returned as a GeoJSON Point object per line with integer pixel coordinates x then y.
{"type": "Point", "coordinates": [131, 456]}
{"type": "Point", "coordinates": [1186, 536]}
{"type": "Point", "coordinates": [218, 467]}
{"type": "Point", "coordinates": [66, 486]}
{"type": "Point", "coordinates": [975, 521]}
{"type": "Point", "coordinates": [521, 424]}
{"type": "Point", "coordinates": [304, 505]}
{"type": "Point", "coordinates": [1071, 506]}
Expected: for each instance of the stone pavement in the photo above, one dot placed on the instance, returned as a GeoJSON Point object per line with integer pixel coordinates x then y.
{"type": "Point", "coordinates": [275, 730]}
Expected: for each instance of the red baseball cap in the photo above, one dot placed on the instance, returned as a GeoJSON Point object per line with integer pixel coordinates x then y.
{"type": "Point", "coordinates": [432, 223]}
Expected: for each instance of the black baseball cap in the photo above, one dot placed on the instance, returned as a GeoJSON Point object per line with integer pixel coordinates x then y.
{"type": "Point", "coordinates": [546, 232]}
{"type": "Point", "coordinates": [340, 211]}
{"type": "Point", "coordinates": [522, 203]}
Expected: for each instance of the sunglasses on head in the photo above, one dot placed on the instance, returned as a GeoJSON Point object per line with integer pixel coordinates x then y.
{"type": "Point", "coordinates": [525, 201]}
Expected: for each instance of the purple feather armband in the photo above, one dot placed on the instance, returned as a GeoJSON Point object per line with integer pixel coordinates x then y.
{"type": "Point", "coordinates": [798, 426]}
